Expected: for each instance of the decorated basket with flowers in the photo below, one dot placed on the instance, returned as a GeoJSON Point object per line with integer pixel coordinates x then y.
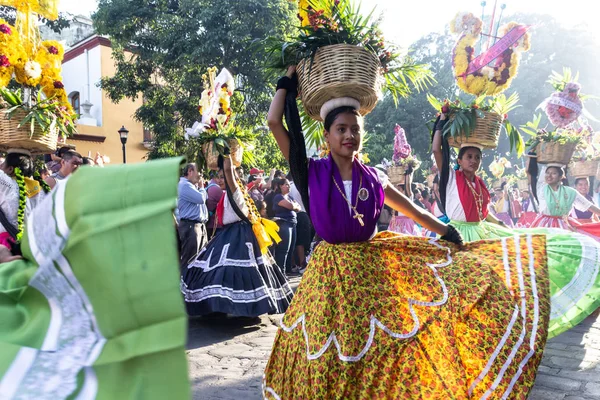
{"type": "Point", "coordinates": [555, 147]}
{"type": "Point", "coordinates": [558, 146]}
{"type": "Point", "coordinates": [403, 161]}
{"type": "Point", "coordinates": [340, 53]}
{"type": "Point", "coordinates": [216, 132]}
{"type": "Point", "coordinates": [521, 178]}
{"type": "Point", "coordinates": [586, 159]}
{"type": "Point", "coordinates": [34, 115]}
{"type": "Point", "coordinates": [485, 60]}
{"type": "Point", "coordinates": [480, 122]}
{"type": "Point", "coordinates": [565, 106]}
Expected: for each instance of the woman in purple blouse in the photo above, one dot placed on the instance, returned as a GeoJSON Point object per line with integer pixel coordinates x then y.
{"type": "Point", "coordinates": [387, 315]}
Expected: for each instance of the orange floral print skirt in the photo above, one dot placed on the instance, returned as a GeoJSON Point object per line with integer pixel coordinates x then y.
{"type": "Point", "coordinates": [402, 317]}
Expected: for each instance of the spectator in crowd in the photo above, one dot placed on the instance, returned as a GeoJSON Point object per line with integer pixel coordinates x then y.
{"type": "Point", "coordinates": [304, 232]}
{"type": "Point", "coordinates": [69, 162]}
{"type": "Point", "coordinates": [53, 160]}
{"type": "Point", "coordinates": [285, 209]}
{"type": "Point", "coordinates": [261, 206]}
{"type": "Point", "coordinates": [254, 184]}
{"type": "Point", "coordinates": [88, 161]}
{"type": "Point", "coordinates": [215, 191]}
{"type": "Point", "coordinates": [193, 214]}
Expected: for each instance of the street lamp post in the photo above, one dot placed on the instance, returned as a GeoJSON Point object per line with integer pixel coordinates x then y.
{"type": "Point", "coordinates": [123, 132]}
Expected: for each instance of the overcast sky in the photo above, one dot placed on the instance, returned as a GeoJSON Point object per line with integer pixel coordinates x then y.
{"type": "Point", "coordinates": [406, 21]}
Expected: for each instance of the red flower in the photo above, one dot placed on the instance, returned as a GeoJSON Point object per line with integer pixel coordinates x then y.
{"type": "Point", "coordinates": [58, 85]}
{"type": "Point", "coordinates": [475, 106]}
{"type": "Point", "coordinates": [52, 50]}
{"type": "Point", "coordinates": [5, 29]}
{"type": "Point", "coordinates": [4, 62]}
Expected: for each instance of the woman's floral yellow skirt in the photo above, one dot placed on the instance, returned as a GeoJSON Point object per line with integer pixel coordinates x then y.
{"type": "Point", "coordinates": [402, 317]}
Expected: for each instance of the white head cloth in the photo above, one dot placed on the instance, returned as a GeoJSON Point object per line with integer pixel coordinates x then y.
{"type": "Point", "coordinates": [332, 104]}
{"type": "Point", "coordinates": [557, 165]}
{"type": "Point", "coordinates": [19, 151]}
{"type": "Point", "coordinates": [467, 144]}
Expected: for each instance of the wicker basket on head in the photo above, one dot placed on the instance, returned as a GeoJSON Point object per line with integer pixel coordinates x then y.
{"type": "Point", "coordinates": [211, 154]}
{"type": "Point", "coordinates": [339, 70]}
{"type": "Point", "coordinates": [397, 175]}
{"type": "Point", "coordinates": [523, 184]}
{"type": "Point", "coordinates": [554, 152]}
{"type": "Point", "coordinates": [486, 132]}
{"type": "Point", "coordinates": [430, 179]}
{"type": "Point", "coordinates": [11, 136]}
{"type": "Point", "coordinates": [586, 168]}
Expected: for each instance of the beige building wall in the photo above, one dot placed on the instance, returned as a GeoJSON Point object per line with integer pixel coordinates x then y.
{"type": "Point", "coordinates": [89, 138]}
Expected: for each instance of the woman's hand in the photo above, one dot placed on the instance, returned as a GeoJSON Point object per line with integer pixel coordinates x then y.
{"type": "Point", "coordinates": [452, 235]}
{"type": "Point", "coordinates": [6, 255]}
{"type": "Point", "coordinates": [290, 71]}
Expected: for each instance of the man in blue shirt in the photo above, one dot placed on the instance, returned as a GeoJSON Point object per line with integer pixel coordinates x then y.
{"type": "Point", "coordinates": [191, 204]}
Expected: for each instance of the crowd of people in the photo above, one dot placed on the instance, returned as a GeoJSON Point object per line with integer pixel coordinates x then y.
{"type": "Point", "coordinates": [377, 313]}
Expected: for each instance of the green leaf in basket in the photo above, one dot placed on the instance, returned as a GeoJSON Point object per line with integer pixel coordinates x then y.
{"type": "Point", "coordinates": [435, 103]}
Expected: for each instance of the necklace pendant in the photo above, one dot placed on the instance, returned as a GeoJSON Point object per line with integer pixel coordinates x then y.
{"type": "Point", "coordinates": [363, 194]}
{"type": "Point", "coordinates": [359, 218]}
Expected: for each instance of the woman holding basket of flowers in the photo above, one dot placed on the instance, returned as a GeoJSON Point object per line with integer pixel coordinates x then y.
{"type": "Point", "coordinates": [393, 316]}
{"type": "Point", "coordinates": [573, 259]}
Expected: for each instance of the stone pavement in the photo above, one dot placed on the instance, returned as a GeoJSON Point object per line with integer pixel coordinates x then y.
{"type": "Point", "coordinates": [227, 358]}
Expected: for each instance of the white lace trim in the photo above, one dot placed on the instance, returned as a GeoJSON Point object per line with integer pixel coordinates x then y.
{"type": "Point", "coordinates": [583, 280]}
{"type": "Point", "coordinates": [72, 337]}
{"type": "Point", "coordinates": [374, 322]}
{"type": "Point", "coordinates": [251, 262]}
{"type": "Point", "coordinates": [236, 296]}
{"type": "Point", "coordinates": [515, 315]}
{"type": "Point", "coordinates": [523, 312]}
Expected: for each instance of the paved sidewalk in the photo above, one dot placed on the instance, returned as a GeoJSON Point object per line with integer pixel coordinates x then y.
{"type": "Point", "coordinates": [227, 358]}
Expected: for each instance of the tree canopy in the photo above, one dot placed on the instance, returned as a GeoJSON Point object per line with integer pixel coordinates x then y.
{"type": "Point", "coordinates": [161, 49]}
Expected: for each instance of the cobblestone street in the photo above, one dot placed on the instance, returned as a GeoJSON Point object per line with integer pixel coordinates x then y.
{"type": "Point", "coordinates": [227, 358]}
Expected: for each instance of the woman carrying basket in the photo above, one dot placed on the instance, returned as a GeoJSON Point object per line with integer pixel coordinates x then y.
{"type": "Point", "coordinates": [573, 259]}
{"type": "Point", "coordinates": [393, 316]}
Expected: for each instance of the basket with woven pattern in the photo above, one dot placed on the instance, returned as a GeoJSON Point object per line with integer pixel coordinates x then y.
{"type": "Point", "coordinates": [211, 154]}
{"type": "Point", "coordinates": [486, 132]}
{"type": "Point", "coordinates": [555, 153]}
{"type": "Point", "coordinates": [13, 136]}
{"type": "Point", "coordinates": [397, 175]}
{"type": "Point", "coordinates": [585, 168]}
{"type": "Point", "coordinates": [339, 70]}
{"type": "Point", "coordinates": [523, 184]}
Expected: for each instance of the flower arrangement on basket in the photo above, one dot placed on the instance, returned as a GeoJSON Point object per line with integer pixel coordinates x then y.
{"type": "Point", "coordinates": [492, 70]}
{"type": "Point", "coordinates": [216, 133]}
{"type": "Point", "coordinates": [37, 112]}
{"type": "Point", "coordinates": [340, 53]}
{"type": "Point", "coordinates": [563, 109]}
{"type": "Point", "coordinates": [484, 65]}
{"type": "Point", "coordinates": [565, 106]}
{"type": "Point", "coordinates": [522, 179]}
{"type": "Point", "coordinates": [555, 147]}
{"type": "Point", "coordinates": [403, 161]}
{"type": "Point", "coordinates": [480, 121]}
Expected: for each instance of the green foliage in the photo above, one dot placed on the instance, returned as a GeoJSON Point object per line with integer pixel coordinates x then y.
{"type": "Point", "coordinates": [326, 23]}
{"type": "Point", "coordinates": [45, 113]}
{"type": "Point", "coordinates": [172, 44]}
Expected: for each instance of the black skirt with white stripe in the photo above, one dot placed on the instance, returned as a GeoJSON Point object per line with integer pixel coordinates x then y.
{"type": "Point", "coordinates": [230, 275]}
